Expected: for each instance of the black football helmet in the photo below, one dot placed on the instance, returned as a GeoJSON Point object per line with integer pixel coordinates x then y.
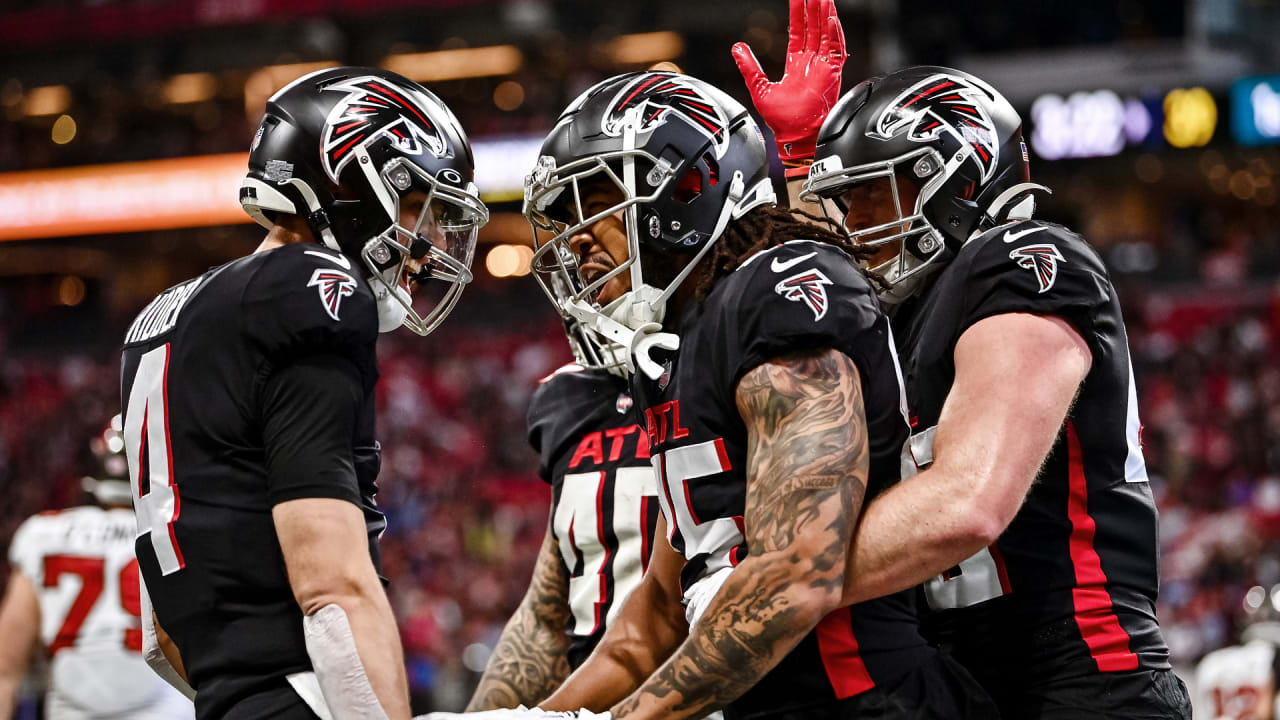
{"type": "Point", "coordinates": [952, 135]}
{"type": "Point", "coordinates": [686, 159]}
{"type": "Point", "coordinates": [110, 485]}
{"type": "Point", "coordinates": [342, 148]}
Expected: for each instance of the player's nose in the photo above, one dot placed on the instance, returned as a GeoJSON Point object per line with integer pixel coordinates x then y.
{"type": "Point", "coordinates": [583, 243]}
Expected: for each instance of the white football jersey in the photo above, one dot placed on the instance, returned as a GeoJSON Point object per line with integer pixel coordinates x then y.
{"type": "Point", "coordinates": [82, 565]}
{"type": "Point", "coordinates": [1237, 683]}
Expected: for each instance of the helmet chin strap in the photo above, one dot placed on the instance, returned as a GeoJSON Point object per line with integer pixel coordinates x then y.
{"type": "Point", "coordinates": [313, 204]}
{"type": "Point", "coordinates": [638, 341]}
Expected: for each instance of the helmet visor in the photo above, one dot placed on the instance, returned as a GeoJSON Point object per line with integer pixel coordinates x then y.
{"type": "Point", "coordinates": [433, 238]}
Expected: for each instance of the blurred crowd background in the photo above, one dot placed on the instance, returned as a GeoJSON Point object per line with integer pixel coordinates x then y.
{"type": "Point", "coordinates": [1152, 120]}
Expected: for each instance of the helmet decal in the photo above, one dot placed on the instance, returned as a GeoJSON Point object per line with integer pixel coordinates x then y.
{"type": "Point", "coordinates": [943, 103]}
{"type": "Point", "coordinates": [660, 95]}
{"type": "Point", "coordinates": [375, 108]}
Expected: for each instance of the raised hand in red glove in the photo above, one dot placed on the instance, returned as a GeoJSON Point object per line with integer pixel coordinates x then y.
{"type": "Point", "coordinates": [795, 106]}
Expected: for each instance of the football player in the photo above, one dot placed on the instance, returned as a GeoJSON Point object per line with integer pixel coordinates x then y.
{"type": "Point", "coordinates": [781, 409]}
{"type": "Point", "coordinates": [600, 533]}
{"type": "Point", "coordinates": [1017, 368]}
{"type": "Point", "coordinates": [73, 591]}
{"type": "Point", "coordinates": [1239, 682]}
{"type": "Point", "coordinates": [249, 402]}
{"type": "Point", "coordinates": [604, 509]}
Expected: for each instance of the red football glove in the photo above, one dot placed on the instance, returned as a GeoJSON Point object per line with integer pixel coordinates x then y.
{"type": "Point", "coordinates": [795, 106]}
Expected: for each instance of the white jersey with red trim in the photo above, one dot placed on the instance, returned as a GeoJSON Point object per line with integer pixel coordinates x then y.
{"type": "Point", "coordinates": [604, 495]}
{"type": "Point", "coordinates": [1238, 683]}
{"type": "Point", "coordinates": [82, 566]}
{"type": "Point", "coordinates": [1069, 589]}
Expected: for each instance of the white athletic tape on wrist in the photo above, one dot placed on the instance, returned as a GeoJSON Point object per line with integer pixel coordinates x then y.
{"type": "Point", "coordinates": [332, 649]}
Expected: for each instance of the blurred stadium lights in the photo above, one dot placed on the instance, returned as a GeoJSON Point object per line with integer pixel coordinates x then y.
{"type": "Point", "coordinates": [199, 192]}
{"type": "Point", "coordinates": [189, 88]}
{"type": "Point", "coordinates": [508, 96]}
{"type": "Point", "coordinates": [47, 100]}
{"type": "Point", "coordinates": [70, 290]}
{"type": "Point", "coordinates": [456, 64]}
{"type": "Point", "coordinates": [263, 82]}
{"type": "Point", "coordinates": [1190, 117]}
{"type": "Point", "coordinates": [153, 195]}
{"type": "Point", "coordinates": [1255, 110]}
{"type": "Point", "coordinates": [1086, 124]}
{"type": "Point", "coordinates": [502, 163]}
{"type": "Point", "coordinates": [508, 260]}
{"type": "Point", "coordinates": [645, 48]}
{"type": "Point", "coordinates": [64, 130]}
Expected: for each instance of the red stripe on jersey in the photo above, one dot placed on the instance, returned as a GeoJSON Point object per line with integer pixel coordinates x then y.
{"type": "Point", "coordinates": [608, 551]}
{"type": "Point", "coordinates": [1108, 642]}
{"type": "Point", "coordinates": [646, 538]}
{"type": "Point", "coordinates": [723, 455]}
{"type": "Point", "coordinates": [168, 448]}
{"type": "Point", "coordinates": [840, 658]}
{"type": "Point", "coordinates": [1001, 571]}
{"type": "Point", "coordinates": [666, 493]}
{"type": "Point", "coordinates": [688, 502]}
{"type": "Point", "coordinates": [735, 555]}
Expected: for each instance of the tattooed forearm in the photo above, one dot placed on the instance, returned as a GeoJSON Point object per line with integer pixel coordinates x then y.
{"type": "Point", "coordinates": [807, 464]}
{"type": "Point", "coordinates": [529, 662]}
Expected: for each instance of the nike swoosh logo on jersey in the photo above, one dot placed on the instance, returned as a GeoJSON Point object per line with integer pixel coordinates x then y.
{"type": "Point", "coordinates": [782, 266]}
{"type": "Point", "coordinates": [341, 260]}
{"type": "Point", "coordinates": [1012, 236]}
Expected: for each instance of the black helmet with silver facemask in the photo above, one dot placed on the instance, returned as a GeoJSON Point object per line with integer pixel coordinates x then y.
{"type": "Point", "coordinates": [954, 137]}
{"type": "Point", "coordinates": [683, 157]}
{"type": "Point", "coordinates": [350, 150]}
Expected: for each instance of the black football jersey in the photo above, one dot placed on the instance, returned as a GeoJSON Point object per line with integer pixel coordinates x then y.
{"type": "Point", "coordinates": [1070, 587]}
{"type": "Point", "coordinates": [791, 297]}
{"type": "Point", "coordinates": [248, 386]}
{"type": "Point", "coordinates": [604, 507]}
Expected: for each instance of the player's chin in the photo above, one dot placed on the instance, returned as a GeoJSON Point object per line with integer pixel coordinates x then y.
{"type": "Point", "coordinates": [611, 291]}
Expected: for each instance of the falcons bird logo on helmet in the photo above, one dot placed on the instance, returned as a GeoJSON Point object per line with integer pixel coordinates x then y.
{"type": "Point", "coordinates": [333, 285]}
{"type": "Point", "coordinates": [806, 286]}
{"type": "Point", "coordinates": [943, 104]}
{"type": "Point", "coordinates": [661, 95]}
{"type": "Point", "coordinates": [375, 108]}
{"type": "Point", "coordinates": [1042, 260]}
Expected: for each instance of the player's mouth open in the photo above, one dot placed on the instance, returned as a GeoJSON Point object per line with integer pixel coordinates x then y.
{"type": "Point", "coordinates": [411, 277]}
{"type": "Point", "coordinates": [595, 268]}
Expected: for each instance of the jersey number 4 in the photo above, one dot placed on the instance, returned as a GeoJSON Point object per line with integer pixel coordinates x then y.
{"type": "Point", "coordinates": [150, 452]}
{"type": "Point", "coordinates": [92, 572]}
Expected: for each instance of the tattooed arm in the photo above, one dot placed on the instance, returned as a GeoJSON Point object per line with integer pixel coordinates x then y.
{"type": "Point", "coordinates": [648, 628]}
{"type": "Point", "coordinates": [529, 662]}
{"type": "Point", "coordinates": [807, 464]}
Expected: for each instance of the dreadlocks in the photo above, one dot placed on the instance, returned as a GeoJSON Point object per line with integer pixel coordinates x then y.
{"type": "Point", "coordinates": [763, 228]}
